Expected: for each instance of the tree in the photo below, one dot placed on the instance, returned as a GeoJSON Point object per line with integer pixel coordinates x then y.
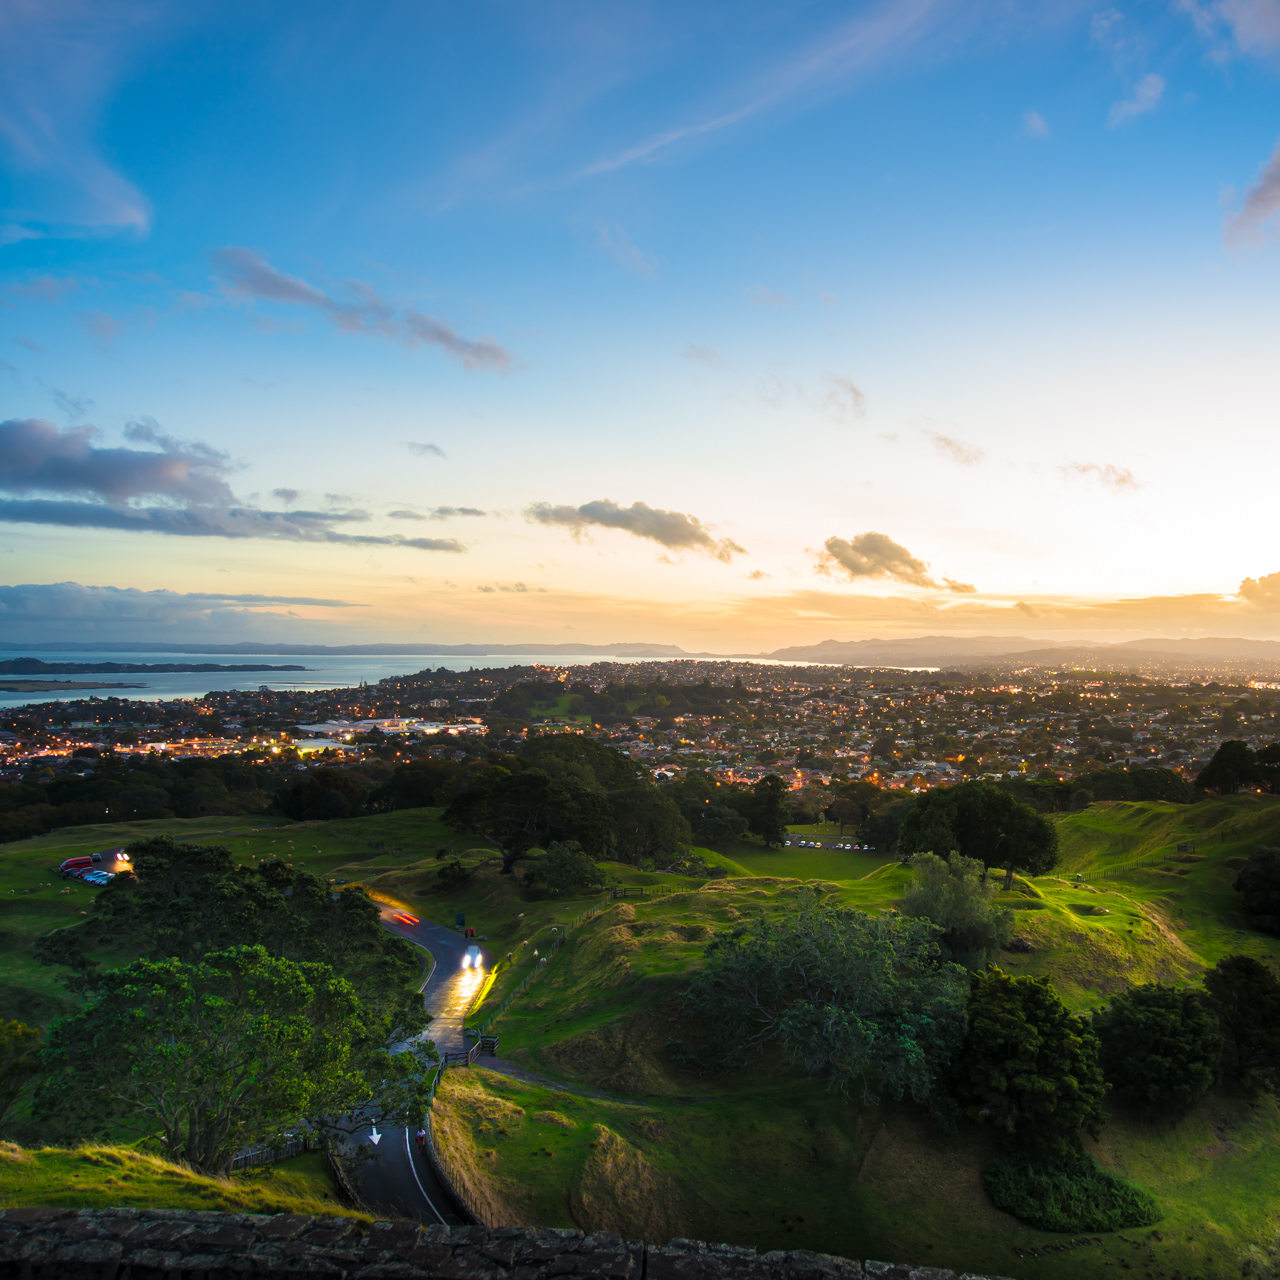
{"type": "Point", "coordinates": [955, 895]}
{"type": "Point", "coordinates": [648, 825]}
{"type": "Point", "coordinates": [764, 808]}
{"type": "Point", "coordinates": [1029, 1065]}
{"type": "Point", "coordinates": [565, 868]}
{"type": "Point", "coordinates": [1160, 1046]}
{"type": "Point", "coordinates": [845, 811]}
{"type": "Point", "coordinates": [1259, 881]}
{"type": "Point", "coordinates": [1233, 764]}
{"type": "Point", "coordinates": [518, 811]}
{"type": "Point", "coordinates": [864, 999]}
{"type": "Point", "coordinates": [416, 786]}
{"type": "Point", "coordinates": [19, 1061]}
{"type": "Point", "coordinates": [224, 1054]}
{"type": "Point", "coordinates": [1246, 997]}
{"type": "Point", "coordinates": [594, 762]}
{"type": "Point", "coordinates": [324, 794]}
{"type": "Point", "coordinates": [981, 821]}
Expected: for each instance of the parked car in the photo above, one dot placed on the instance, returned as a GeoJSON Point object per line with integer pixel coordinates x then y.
{"type": "Point", "coordinates": [84, 861]}
{"type": "Point", "coordinates": [98, 877]}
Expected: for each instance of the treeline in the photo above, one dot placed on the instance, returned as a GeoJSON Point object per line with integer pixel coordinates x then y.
{"type": "Point", "coordinates": [620, 700]}
{"type": "Point", "coordinates": [132, 788]}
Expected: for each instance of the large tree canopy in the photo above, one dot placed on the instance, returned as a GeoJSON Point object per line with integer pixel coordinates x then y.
{"type": "Point", "coordinates": [955, 895]}
{"type": "Point", "coordinates": [866, 999]}
{"type": "Point", "coordinates": [980, 821]}
{"type": "Point", "coordinates": [226, 1053]}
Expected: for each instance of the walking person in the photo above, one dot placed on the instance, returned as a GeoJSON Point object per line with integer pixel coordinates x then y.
{"type": "Point", "coordinates": [421, 1138]}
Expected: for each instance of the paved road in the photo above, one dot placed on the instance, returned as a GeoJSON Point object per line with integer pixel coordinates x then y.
{"type": "Point", "coordinates": [400, 1182]}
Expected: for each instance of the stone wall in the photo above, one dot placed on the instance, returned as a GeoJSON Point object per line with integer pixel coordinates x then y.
{"type": "Point", "coordinates": [165, 1244]}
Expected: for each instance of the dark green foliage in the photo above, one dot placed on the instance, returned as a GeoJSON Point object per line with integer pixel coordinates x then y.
{"type": "Point", "coordinates": [416, 786]}
{"type": "Point", "coordinates": [1259, 881]}
{"type": "Point", "coordinates": [565, 868]}
{"type": "Point", "coordinates": [1029, 1066]}
{"type": "Point", "coordinates": [323, 794]}
{"type": "Point", "coordinates": [227, 1052]}
{"type": "Point", "coordinates": [864, 999]}
{"type": "Point", "coordinates": [955, 896]}
{"type": "Point", "coordinates": [1235, 764]}
{"type": "Point", "coordinates": [764, 807]}
{"type": "Point", "coordinates": [19, 1061]}
{"type": "Point", "coordinates": [1133, 784]}
{"type": "Point", "coordinates": [1159, 1047]}
{"type": "Point", "coordinates": [648, 825]}
{"type": "Point", "coordinates": [452, 875]}
{"type": "Point", "coordinates": [1246, 997]}
{"type": "Point", "coordinates": [595, 762]}
{"type": "Point", "coordinates": [186, 900]}
{"type": "Point", "coordinates": [1069, 1195]}
{"type": "Point", "coordinates": [981, 821]}
{"type": "Point", "coordinates": [703, 803]}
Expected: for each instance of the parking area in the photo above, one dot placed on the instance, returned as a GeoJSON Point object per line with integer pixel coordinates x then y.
{"type": "Point", "coordinates": [803, 842]}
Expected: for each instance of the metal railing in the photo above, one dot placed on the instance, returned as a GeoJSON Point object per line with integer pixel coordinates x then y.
{"type": "Point", "coordinates": [253, 1157]}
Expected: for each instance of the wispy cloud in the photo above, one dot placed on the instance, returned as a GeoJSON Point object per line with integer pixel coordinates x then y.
{"type": "Point", "coordinates": [360, 309]}
{"type": "Point", "coordinates": [425, 450]}
{"type": "Point", "coordinates": [46, 288]}
{"type": "Point", "coordinates": [1236, 26]}
{"type": "Point", "coordinates": [1034, 125]}
{"type": "Point", "coordinates": [1260, 206]}
{"type": "Point", "coordinates": [436, 513]}
{"type": "Point", "coordinates": [876, 555]}
{"type": "Point", "coordinates": [518, 588]}
{"type": "Point", "coordinates": [75, 407]}
{"type": "Point", "coordinates": [59, 61]}
{"type": "Point", "coordinates": [759, 296]}
{"type": "Point", "coordinates": [859, 44]}
{"type": "Point", "coordinates": [1118, 479]}
{"type": "Point", "coordinates": [960, 451]}
{"type": "Point", "coordinates": [287, 496]}
{"type": "Point", "coordinates": [672, 529]}
{"type": "Point", "coordinates": [845, 399]}
{"type": "Point", "coordinates": [614, 241]}
{"type": "Point", "coordinates": [705, 355]}
{"type": "Point", "coordinates": [186, 482]}
{"type": "Point", "coordinates": [1146, 96]}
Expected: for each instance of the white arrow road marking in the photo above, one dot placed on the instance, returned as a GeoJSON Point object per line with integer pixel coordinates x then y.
{"type": "Point", "coordinates": [375, 1137]}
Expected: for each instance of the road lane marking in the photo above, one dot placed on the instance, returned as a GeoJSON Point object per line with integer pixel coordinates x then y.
{"type": "Point", "coordinates": [413, 1169]}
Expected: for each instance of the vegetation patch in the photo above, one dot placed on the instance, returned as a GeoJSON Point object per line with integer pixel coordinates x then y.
{"type": "Point", "coordinates": [1067, 1195]}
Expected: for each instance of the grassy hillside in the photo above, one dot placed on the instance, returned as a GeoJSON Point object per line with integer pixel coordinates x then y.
{"type": "Point", "coordinates": [763, 1157]}
{"type": "Point", "coordinates": [91, 1177]}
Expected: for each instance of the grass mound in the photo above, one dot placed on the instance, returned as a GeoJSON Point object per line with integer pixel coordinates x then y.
{"type": "Point", "coordinates": [102, 1176]}
{"type": "Point", "coordinates": [1069, 1196]}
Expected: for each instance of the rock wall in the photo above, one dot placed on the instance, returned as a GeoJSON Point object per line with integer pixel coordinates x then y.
{"type": "Point", "coordinates": [164, 1244]}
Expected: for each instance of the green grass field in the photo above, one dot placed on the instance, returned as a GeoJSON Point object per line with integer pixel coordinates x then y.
{"type": "Point", "coordinates": [763, 1157]}
{"type": "Point", "coordinates": [95, 1176]}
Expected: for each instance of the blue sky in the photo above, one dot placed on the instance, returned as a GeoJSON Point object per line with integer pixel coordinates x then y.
{"type": "Point", "coordinates": [730, 326]}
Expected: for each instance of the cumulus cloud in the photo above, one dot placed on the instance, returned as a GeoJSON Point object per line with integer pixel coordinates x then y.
{"type": "Point", "coordinates": [1117, 479]}
{"type": "Point", "coordinates": [1146, 96]}
{"type": "Point", "coordinates": [844, 398]}
{"type": "Point", "coordinates": [287, 496]}
{"type": "Point", "coordinates": [95, 488]}
{"type": "Point", "coordinates": [960, 451]}
{"type": "Point", "coordinates": [671, 529]}
{"type": "Point", "coordinates": [1260, 206]}
{"type": "Point", "coordinates": [1034, 125]}
{"type": "Point", "coordinates": [360, 309]}
{"type": "Point", "coordinates": [1263, 592]}
{"type": "Point", "coordinates": [757, 574]}
{"type": "Point", "coordinates": [426, 450]}
{"type": "Point", "coordinates": [876, 555]}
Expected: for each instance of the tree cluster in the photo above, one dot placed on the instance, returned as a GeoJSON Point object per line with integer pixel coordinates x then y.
{"type": "Point", "coordinates": [1236, 764]}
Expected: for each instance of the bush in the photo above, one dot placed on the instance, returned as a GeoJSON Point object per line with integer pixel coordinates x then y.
{"type": "Point", "coordinates": [1160, 1046]}
{"type": "Point", "coordinates": [1259, 881]}
{"type": "Point", "coordinates": [956, 897]}
{"type": "Point", "coordinates": [565, 868]}
{"type": "Point", "coordinates": [1070, 1195]}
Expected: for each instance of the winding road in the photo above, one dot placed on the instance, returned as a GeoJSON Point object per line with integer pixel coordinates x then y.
{"type": "Point", "coordinates": [400, 1182]}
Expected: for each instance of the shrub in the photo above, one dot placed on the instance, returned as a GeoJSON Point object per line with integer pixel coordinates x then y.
{"type": "Point", "coordinates": [1069, 1195]}
{"type": "Point", "coordinates": [961, 902]}
{"type": "Point", "coordinates": [1160, 1046]}
{"type": "Point", "coordinates": [1029, 1065]}
{"type": "Point", "coordinates": [565, 868]}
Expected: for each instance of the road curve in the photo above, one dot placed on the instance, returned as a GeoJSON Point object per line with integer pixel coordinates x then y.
{"type": "Point", "coordinates": [400, 1183]}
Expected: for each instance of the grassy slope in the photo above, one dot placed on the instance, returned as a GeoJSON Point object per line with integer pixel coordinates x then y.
{"type": "Point", "coordinates": [94, 1176]}
{"type": "Point", "coordinates": [768, 1159]}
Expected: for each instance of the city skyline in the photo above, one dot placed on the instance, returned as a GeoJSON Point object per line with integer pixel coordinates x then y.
{"type": "Point", "coordinates": [730, 328]}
